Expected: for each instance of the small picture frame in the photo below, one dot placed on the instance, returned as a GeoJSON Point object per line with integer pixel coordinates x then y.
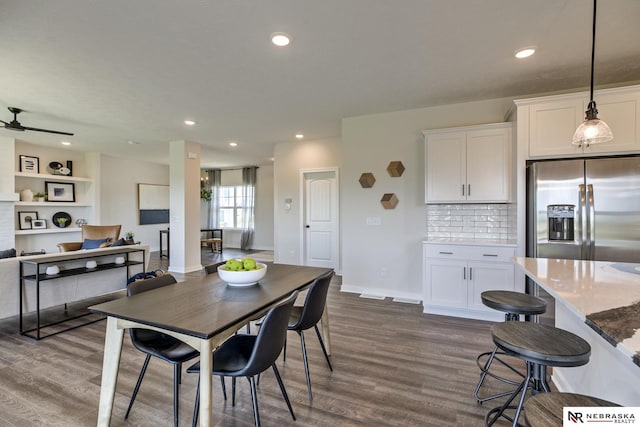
{"type": "Point", "coordinates": [25, 219]}
{"type": "Point", "coordinates": [60, 191]}
{"type": "Point", "coordinates": [29, 164]}
{"type": "Point", "coordinates": [38, 224]}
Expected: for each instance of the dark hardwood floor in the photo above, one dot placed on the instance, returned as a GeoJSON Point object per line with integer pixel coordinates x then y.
{"type": "Point", "coordinates": [393, 366]}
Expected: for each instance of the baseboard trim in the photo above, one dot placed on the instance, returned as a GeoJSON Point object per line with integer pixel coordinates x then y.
{"type": "Point", "coordinates": [404, 297]}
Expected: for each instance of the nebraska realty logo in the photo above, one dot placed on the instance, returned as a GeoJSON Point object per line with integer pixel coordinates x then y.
{"type": "Point", "coordinates": [604, 416]}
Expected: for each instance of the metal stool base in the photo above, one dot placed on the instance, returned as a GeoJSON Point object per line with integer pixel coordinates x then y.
{"type": "Point", "coordinates": [484, 371]}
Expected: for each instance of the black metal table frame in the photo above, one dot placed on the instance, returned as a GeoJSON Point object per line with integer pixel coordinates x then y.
{"type": "Point", "coordinates": [38, 277]}
{"type": "Point", "coordinates": [161, 232]}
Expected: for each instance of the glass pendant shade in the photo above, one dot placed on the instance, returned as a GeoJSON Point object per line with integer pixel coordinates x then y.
{"type": "Point", "coordinates": [592, 130]}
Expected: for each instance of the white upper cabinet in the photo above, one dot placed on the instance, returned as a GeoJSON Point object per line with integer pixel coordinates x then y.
{"type": "Point", "coordinates": [553, 120]}
{"type": "Point", "coordinates": [470, 164]}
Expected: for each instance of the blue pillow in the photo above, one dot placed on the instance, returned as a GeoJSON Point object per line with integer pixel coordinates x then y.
{"type": "Point", "coordinates": [93, 244]}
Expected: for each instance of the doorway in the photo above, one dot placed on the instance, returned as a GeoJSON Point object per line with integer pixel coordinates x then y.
{"type": "Point", "coordinates": [320, 220]}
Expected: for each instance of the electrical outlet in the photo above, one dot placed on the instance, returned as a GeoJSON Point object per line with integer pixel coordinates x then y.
{"type": "Point", "coordinates": [373, 220]}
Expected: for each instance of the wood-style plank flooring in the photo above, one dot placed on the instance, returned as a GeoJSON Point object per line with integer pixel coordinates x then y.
{"type": "Point", "coordinates": [393, 366]}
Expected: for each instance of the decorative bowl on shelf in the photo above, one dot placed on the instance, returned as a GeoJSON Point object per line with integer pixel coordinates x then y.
{"type": "Point", "coordinates": [242, 277]}
{"type": "Point", "coordinates": [61, 219]}
{"type": "Point", "coordinates": [52, 270]}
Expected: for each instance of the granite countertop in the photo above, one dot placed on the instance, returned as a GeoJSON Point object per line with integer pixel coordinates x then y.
{"type": "Point", "coordinates": [464, 241]}
{"type": "Point", "coordinates": [606, 295]}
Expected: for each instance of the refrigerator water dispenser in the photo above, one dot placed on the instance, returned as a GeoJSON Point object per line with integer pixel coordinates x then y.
{"type": "Point", "coordinates": [560, 218]}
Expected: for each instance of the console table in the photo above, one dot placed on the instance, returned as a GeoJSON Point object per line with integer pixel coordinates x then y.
{"type": "Point", "coordinates": [34, 271]}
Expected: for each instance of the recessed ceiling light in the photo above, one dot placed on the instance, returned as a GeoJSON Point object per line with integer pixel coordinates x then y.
{"type": "Point", "coordinates": [65, 143]}
{"type": "Point", "coordinates": [189, 122]}
{"type": "Point", "coordinates": [132, 142]}
{"type": "Point", "coordinates": [525, 53]}
{"type": "Point", "coordinates": [280, 39]}
{"type": "Point", "coordinates": [233, 144]}
{"type": "Point", "coordinates": [299, 136]}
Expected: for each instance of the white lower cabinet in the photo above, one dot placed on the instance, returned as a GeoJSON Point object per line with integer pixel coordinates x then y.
{"type": "Point", "coordinates": [455, 276]}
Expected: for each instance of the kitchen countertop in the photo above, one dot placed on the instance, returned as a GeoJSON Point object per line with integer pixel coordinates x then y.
{"type": "Point", "coordinates": [606, 295]}
{"type": "Point", "coordinates": [479, 242]}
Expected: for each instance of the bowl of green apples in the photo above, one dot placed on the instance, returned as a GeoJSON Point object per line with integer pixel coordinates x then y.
{"type": "Point", "coordinates": [242, 272]}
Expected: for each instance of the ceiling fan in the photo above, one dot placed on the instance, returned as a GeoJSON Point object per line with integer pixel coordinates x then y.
{"type": "Point", "coordinates": [15, 124]}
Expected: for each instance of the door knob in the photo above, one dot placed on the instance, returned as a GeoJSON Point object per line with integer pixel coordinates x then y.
{"type": "Point", "coordinates": [307, 226]}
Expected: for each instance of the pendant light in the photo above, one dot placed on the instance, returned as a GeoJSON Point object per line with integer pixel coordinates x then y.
{"type": "Point", "coordinates": [592, 130]}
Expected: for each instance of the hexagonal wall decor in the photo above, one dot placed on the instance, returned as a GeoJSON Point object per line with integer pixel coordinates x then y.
{"type": "Point", "coordinates": [367, 180]}
{"type": "Point", "coordinates": [395, 168]}
{"type": "Point", "coordinates": [389, 201]}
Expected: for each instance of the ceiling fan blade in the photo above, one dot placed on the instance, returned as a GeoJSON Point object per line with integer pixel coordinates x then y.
{"type": "Point", "coordinates": [46, 130]}
{"type": "Point", "coordinates": [4, 122]}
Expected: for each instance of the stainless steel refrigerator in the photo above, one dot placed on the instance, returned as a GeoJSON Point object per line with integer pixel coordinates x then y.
{"type": "Point", "coordinates": [584, 209]}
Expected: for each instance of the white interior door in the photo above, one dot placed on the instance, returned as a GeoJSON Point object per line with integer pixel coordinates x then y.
{"type": "Point", "coordinates": [320, 219]}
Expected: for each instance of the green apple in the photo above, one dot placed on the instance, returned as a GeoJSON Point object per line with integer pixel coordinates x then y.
{"type": "Point", "coordinates": [233, 265]}
{"type": "Point", "coordinates": [249, 263]}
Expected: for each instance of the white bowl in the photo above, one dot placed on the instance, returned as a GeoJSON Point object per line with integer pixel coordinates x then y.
{"type": "Point", "coordinates": [242, 278]}
{"type": "Point", "coordinates": [91, 264]}
{"type": "Point", "coordinates": [53, 270]}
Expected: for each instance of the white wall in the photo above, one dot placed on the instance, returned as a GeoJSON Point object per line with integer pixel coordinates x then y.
{"type": "Point", "coordinates": [119, 179]}
{"type": "Point", "coordinates": [386, 259]}
{"type": "Point", "coordinates": [290, 158]}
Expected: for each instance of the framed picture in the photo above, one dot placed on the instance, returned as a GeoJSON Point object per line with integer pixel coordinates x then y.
{"type": "Point", "coordinates": [25, 219]}
{"type": "Point", "coordinates": [29, 164]}
{"type": "Point", "coordinates": [38, 223]}
{"type": "Point", "coordinates": [60, 191]}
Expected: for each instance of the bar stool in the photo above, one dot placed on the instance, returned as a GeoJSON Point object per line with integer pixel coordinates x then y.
{"type": "Point", "coordinates": [539, 346]}
{"type": "Point", "coordinates": [514, 305]}
{"type": "Point", "coordinates": [545, 410]}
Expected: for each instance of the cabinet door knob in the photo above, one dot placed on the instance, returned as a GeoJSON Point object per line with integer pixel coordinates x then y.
{"type": "Point", "coordinates": [463, 189]}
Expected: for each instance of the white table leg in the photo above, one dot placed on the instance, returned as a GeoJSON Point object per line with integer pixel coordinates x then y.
{"type": "Point", "coordinates": [112, 349]}
{"type": "Point", "coordinates": [325, 329]}
{"type": "Point", "coordinates": [206, 366]}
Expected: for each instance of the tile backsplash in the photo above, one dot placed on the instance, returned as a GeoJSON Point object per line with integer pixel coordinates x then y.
{"type": "Point", "coordinates": [471, 221]}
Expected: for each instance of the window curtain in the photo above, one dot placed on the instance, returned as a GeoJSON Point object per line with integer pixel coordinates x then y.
{"type": "Point", "coordinates": [215, 179]}
{"type": "Point", "coordinates": [248, 198]}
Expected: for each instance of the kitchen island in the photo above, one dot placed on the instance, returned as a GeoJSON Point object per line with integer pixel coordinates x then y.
{"type": "Point", "coordinates": [599, 301]}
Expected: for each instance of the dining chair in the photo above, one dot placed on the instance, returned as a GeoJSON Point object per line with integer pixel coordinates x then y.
{"type": "Point", "coordinates": [307, 317]}
{"type": "Point", "coordinates": [157, 344]}
{"type": "Point", "coordinates": [213, 268]}
{"type": "Point", "coordinates": [245, 355]}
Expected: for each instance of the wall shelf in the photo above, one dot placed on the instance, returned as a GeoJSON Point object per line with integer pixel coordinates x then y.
{"type": "Point", "coordinates": [49, 231]}
{"type": "Point", "coordinates": [73, 204]}
{"type": "Point", "coordinates": [54, 177]}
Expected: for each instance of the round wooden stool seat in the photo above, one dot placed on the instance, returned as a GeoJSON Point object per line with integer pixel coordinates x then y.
{"type": "Point", "coordinates": [545, 410]}
{"type": "Point", "coordinates": [541, 344]}
{"type": "Point", "coordinates": [514, 302]}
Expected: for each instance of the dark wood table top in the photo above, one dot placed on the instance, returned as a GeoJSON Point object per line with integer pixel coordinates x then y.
{"type": "Point", "coordinates": [203, 307]}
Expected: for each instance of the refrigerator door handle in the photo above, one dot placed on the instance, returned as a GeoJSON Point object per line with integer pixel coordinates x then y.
{"type": "Point", "coordinates": [582, 220]}
{"type": "Point", "coordinates": [591, 222]}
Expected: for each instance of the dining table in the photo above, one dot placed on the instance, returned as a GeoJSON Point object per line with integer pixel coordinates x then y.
{"type": "Point", "coordinates": [202, 312]}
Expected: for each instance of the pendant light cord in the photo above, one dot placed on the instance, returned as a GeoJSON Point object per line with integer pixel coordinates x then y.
{"type": "Point", "coordinates": [593, 45]}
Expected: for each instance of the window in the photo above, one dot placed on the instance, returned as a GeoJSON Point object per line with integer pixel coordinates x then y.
{"type": "Point", "coordinates": [232, 206]}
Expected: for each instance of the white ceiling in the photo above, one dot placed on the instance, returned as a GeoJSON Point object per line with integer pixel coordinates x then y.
{"type": "Point", "coordinates": [132, 70]}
